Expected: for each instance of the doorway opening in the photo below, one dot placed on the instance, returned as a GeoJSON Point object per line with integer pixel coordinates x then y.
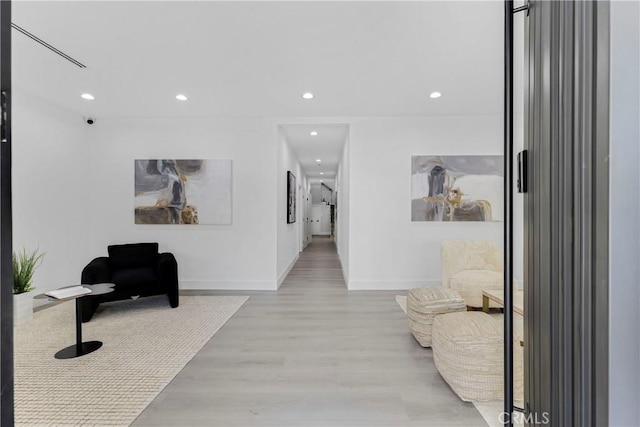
{"type": "Point", "coordinates": [317, 153]}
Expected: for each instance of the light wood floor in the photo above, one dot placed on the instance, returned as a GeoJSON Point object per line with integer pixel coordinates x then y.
{"type": "Point", "coordinates": [312, 354]}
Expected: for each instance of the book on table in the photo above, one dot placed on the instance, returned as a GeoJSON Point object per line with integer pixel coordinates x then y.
{"type": "Point", "coordinates": [73, 291]}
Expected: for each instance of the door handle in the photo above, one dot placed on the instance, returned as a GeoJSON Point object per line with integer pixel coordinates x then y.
{"type": "Point", "coordinates": [4, 133]}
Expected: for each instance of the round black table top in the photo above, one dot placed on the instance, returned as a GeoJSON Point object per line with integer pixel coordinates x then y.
{"type": "Point", "coordinates": [96, 289]}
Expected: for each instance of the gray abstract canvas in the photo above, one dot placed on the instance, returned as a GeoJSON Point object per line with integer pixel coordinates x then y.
{"type": "Point", "coordinates": [457, 188]}
{"type": "Point", "coordinates": [169, 191]}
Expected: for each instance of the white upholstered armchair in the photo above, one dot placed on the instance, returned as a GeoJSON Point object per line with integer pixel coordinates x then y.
{"type": "Point", "coordinates": [471, 266]}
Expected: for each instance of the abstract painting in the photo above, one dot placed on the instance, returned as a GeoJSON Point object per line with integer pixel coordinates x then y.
{"type": "Point", "coordinates": [169, 191]}
{"type": "Point", "coordinates": [457, 188]}
{"type": "Point", "coordinates": [291, 198]}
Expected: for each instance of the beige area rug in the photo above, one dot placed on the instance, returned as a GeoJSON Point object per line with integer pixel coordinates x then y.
{"type": "Point", "coordinates": [402, 302]}
{"type": "Point", "coordinates": [145, 344]}
{"type": "Point", "coordinates": [490, 411]}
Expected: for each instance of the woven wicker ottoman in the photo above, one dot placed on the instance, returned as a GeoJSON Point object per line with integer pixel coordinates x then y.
{"type": "Point", "coordinates": [424, 304]}
{"type": "Point", "coordinates": [467, 351]}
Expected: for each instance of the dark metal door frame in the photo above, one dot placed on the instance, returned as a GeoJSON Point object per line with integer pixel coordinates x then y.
{"type": "Point", "coordinates": [509, 12]}
{"type": "Point", "coordinates": [508, 212]}
{"type": "Point", "coordinates": [6, 275]}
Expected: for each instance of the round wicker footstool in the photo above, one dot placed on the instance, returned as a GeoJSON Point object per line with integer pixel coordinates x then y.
{"type": "Point", "coordinates": [468, 353]}
{"type": "Point", "coordinates": [424, 304]}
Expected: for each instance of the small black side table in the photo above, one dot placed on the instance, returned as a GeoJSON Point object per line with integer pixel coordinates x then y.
{"type": "Point", "coordinates": [80, 348]}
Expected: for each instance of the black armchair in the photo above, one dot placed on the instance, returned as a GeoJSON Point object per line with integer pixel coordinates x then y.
{"type": "Point", "coordinates": [136, 270]}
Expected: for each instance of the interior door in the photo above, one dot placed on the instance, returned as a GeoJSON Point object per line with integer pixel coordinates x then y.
{"type": "Point", "coordinates": [316, 215]}
{"type": "Point", "coordinates": [309, 224]}
{"type": "Point", "coordinates": [566, 213]}
{"type": "Point", "coordinates": [302, 212]}
{"type": "Point", "coordinates": [325, 220]}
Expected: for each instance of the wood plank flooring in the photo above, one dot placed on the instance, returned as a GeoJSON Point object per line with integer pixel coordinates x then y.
{"type": "Point", "coordinates": [312, 354]}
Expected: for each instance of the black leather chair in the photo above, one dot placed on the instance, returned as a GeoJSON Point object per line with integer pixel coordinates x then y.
{"type": "Point", "coordinates": [137, 270]}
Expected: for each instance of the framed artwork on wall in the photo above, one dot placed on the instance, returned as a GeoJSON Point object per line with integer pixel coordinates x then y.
{"type": "Point", "coordinates": [171, 191]}
{"type": "Point", "coordinates": [457, 188]}
{"type": "Point", "coordinates": [291, 198]}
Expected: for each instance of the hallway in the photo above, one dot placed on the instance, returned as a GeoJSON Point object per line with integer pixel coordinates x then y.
{"type": "Point", "coordinates": [312, 354]}
{"type": "Point", "coordinates": [317, 270]}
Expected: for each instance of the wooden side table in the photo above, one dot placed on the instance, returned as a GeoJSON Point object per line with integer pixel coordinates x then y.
{"type": "Point", "coordinates": [497, 295]}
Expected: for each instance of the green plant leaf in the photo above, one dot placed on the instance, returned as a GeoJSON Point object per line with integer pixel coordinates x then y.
{"type": "Point", "coordinates": [24, 265]}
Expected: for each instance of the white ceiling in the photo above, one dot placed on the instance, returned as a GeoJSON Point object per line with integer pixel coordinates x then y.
{"type": "Point", "coordinates": [326, 146]}
{"type": "Point", "coordinates": [244, 59]}
{"type": "Point", "coordinates": [255, 59]}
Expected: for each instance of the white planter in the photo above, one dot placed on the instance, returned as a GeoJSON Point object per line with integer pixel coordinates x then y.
{"type": "Point", "coordinates": [22, 308]}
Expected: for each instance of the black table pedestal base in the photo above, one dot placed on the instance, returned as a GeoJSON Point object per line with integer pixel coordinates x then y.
{"type": "Point", "coordinates": [75, 351]}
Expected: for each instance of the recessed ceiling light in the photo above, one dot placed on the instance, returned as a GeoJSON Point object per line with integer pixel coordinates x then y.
{"type": "Point", "coordinates": [435, 95]}
{"type": "Point", "coordinates": [318, 160]}
{"type": "Point", "coordinates": [307, 95]}
{"type": "Point", "coordinates": [87, 96]}
{"type": "Point", "coordinates": [181, 97]}
{"type": "Point", "coordinates": [321, 181]}
{"type": "Point", "coordinates": [321, 173]}
{"type": "Point", "coordinates": [313, 133]}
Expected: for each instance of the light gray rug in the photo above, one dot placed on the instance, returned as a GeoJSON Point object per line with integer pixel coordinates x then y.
{"type": "Point", "coordinates": [146, 343]}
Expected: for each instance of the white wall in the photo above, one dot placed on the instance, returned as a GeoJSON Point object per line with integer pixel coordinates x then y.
{"type": "Point", "coordinates": [50, 206]}
{"type": "Point", "coordinates": [316, 193]}
{"type": "Point", "coordinates": [381, 249]}
{"type": "Point", "coordinates": [343, 206]}
{"type": "Point", "coordinates": [387, 250]}
{"type": "Point", "coordinates": [288, 234]}
{"type": "Point", "coordinates": [306, 210]}
{"type": "Point", "coordinates": [624, 244]}
{"type": "Point", "coordinates": [236, 256]}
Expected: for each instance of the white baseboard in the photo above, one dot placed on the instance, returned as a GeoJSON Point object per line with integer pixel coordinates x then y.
{"type": "Point", "coordinates": [345, 273]}
{"type": "Point", "coordinates": [370, 285]}
{"type": "Point", "coordinates": [287, 270]}
{"type": "Point", "coordinates": [241, 285]}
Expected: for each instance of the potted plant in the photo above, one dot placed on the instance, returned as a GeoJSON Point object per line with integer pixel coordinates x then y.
{"type": "Point", "coordinates": [24, 265]}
